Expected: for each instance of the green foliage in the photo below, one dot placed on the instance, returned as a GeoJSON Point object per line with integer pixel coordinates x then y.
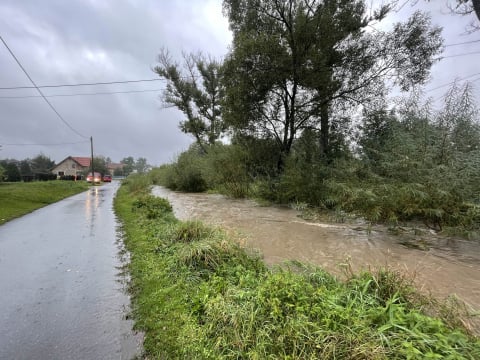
{"type": "Point", "coordinates": [128, 165]}
{"type": "Point", "coordinates": [11, 171]}
{"type": "Point", "coordinates": [99, 165]}
{"type": "Point", "coordinates": [198, 100]}
{"type": "Point", "coordinates": [198, 295]}
{"type": "Point", "coordinates": [42, 164]}
{"type": "Point", "coordinates": [260, 156]}
{"type": "Point", "coordinates": [226, 170]}
{"type": "Point", "coordinates": [424, 164]}
{"type": "Point", "coordinates": [223, 168]}
{"type": "Point", "coordinates": [25, 168]}
{"type": "Point", "coordinates": [137, 183]}
{"type": "Point", "coordinates": [2, 173]}
{"type": "Point", "coordinates": [298, 65]}
{"type": "Point", "coordinates": [141, 165]}
{"type": "Point", "coordinates": [414, 165]}
{"type": "Point", "coordinates": [188, 172]}
{"type": "Point", "coordinates": [153, 207]}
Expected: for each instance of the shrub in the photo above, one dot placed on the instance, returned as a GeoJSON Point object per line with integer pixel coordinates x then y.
{"type": "Point", "coordinates": [188, 172]}
{"type": "Point", "coordinates": [153, 206]}
{"type": "Point", "coordinates": [225, 170]}
{"type": "Point", "coordinates": [137, 183]}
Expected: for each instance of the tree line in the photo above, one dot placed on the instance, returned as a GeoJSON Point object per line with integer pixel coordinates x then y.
{"type": "Point", "coordinates": [300, 110]}
{"type": "Point", "coordinates": [40, 168]}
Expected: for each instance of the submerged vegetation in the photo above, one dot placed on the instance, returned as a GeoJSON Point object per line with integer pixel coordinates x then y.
{"type": "Point", "coordinates": [408, 164]}
{"type": "Point", "coordinates": [299, 111]}
{"type": "Point", "coordinates": [18, 199]}
{"type": "Point", "coordinates": [198, 295]}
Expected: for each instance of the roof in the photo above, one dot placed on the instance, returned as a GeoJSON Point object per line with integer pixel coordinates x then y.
{"type": "Point", "coordinates": [83, 161]}
{"type": "Point", "coordinates": [114, 166]}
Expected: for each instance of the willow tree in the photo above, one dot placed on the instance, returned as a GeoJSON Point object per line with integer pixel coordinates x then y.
{"type": "Point", "coordinates": [194, 88]}
{"type": "Point", "coordinates": [294, 63]}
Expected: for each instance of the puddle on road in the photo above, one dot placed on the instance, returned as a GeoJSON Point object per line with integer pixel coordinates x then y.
{"type": "Point", "coordinates": [448, 267]}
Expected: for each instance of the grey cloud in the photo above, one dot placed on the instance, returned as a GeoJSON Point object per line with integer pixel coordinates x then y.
{"type": "Point", "coordinates": [77, 41]}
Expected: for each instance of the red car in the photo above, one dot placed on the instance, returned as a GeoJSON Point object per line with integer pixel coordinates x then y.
{"type": "Point", "coordinates": [95, 179]}
{"type": "Point", "coordinates": [107, 178]}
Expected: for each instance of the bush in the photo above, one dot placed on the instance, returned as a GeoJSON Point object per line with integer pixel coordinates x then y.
{"type": "Point", "coordinates": [186, 173]}
{"type": "Point", "coordinates": [137, 183]}
{"type": "Point", "coordinates": [225, 170]}
{"type": "Point", "coordinates": [153, 206]}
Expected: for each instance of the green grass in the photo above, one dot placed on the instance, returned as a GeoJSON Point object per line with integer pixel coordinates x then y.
{"type": "Point", "coordinates": [198, 295]}
{"type": "Point", "coordinates": [17, 199]}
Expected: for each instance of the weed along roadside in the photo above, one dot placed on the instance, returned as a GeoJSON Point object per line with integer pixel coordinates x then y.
{"type": "Point", "coordinates": [17, 199]}
{"type": "Point", "coordinates": [198, 295]}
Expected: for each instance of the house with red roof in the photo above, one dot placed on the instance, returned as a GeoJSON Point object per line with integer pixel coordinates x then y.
{"type": "Point", "coordinates": [72, 166]}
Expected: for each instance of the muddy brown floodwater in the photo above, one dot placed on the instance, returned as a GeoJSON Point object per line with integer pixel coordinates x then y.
{"type": "Point", "coordinates": [445, 267]}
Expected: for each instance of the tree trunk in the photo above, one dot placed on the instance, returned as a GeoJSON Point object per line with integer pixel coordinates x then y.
{"type": "Point", "coordinates": [324, 130]}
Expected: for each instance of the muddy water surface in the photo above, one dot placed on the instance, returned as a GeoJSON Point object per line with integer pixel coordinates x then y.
{"type": "Point", "coordinates": [444, 266]}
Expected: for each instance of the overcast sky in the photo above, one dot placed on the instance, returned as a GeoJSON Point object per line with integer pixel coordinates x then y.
{"type": "Point", "coordinates": [85, 41]}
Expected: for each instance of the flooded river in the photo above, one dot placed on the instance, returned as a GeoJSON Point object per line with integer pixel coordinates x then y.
{"type": "Point", "coordinates": [444, 266]}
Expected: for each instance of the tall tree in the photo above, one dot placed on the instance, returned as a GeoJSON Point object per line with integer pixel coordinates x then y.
{"type": "Point", "coordinates": [141, 165]}
{"type": "Point", "coordinates": [100, 165]}
{"type": "Point", "coordinates": [294, 63]}
{"type": "Point", "coordinates": [12, 173]}
{"type": "Point", "coordinates": [42, 164]}
{"type": "Point", "coordinates": [196, 92]}
{"type": "Point", "coordinates": [128, 165]}
{"type": "Point", "coordinates": [25, 168]}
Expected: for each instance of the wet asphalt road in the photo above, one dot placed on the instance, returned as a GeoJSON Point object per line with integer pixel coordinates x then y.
{"type": "Point", "coordinates": [61, 295]}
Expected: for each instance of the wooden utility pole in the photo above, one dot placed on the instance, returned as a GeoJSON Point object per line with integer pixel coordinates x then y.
{"type": "Point", "coordinates": [91, 162]}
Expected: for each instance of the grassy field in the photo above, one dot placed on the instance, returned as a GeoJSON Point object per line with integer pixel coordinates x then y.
{"type": "Point", "coordinates": [198, 295]}
{"type": "Point", "coordinates": [17, 199]}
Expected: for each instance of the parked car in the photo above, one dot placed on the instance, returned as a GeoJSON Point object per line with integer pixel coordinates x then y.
{"type": "Point", "coordinates": [96, 178]}
{"type": "Point", "coordinates": [107, 178]}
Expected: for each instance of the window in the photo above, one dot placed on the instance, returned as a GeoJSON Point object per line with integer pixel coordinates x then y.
{"type": "Point", "coordinates": [73, 166]}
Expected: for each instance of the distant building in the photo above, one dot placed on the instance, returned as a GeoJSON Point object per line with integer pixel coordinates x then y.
{"type": "Point", "coordinates": [72, 166]}
{"type": "Point", "coordinates": [115, 168]}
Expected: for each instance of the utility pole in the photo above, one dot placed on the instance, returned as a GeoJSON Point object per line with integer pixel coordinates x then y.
{"type": "Point", "coordinates": [91, 162]}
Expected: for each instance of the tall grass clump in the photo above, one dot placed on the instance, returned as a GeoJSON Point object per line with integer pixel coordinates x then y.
{"type": "Point", "coordinates": [198, 295]}
{"type": "Point", "coordinates": [222, 169]}
{"type": "Point", "coordinates": [137, 183]}
{"type": "Point", "coordinates": [185, 174]}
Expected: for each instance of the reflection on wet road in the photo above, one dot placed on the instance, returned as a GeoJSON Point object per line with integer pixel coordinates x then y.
{"type": "Point", "coordinates": [60, 293]}
{"type": "Point", "coordinates": [450, 266]}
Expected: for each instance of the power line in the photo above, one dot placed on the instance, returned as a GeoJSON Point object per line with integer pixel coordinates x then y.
{"type": "Point", "coordinates": [445, 95]}
{"type": "Point", "coordinates": [82, 94]}
{"type": "Point", "coordinates": [452, 82]}
{"type": "Point", "coordinates": [456, 55]}
{"type": "Point", "coordinates": [81, 84]}
{"type": "Point", "coordinates": [40, 92]}
{"type": "Point", "coordinates": [56, 144]}
{"type": "Point", "coordinates": [463, 43]}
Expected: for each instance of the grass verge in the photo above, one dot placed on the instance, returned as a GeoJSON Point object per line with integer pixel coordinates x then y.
{"type": "Point", "coordinates": [17, 199]}
{"type": "Point", "coordinates": [198, 295]}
